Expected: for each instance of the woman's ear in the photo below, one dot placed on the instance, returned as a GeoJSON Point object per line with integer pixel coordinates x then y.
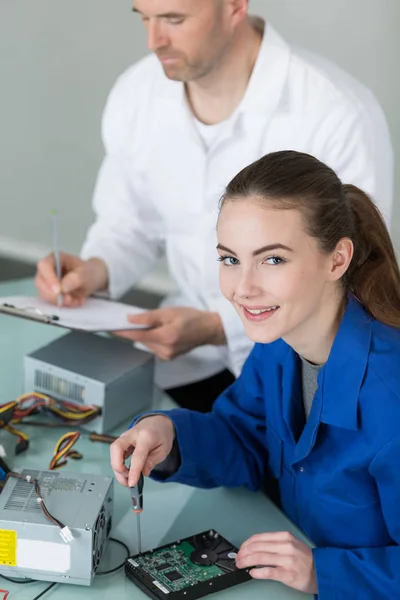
{"type": "Point", "coordinates": [341, 258]}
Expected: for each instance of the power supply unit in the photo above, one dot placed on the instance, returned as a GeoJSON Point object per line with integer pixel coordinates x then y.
{"type": "Point", "coordinates": [32, 546]}
{"type": "Point", "coordinates": [88, 369]}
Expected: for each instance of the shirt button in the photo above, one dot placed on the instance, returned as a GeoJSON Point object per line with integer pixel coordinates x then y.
{"type": "Point", "coordinates": [301, 469]}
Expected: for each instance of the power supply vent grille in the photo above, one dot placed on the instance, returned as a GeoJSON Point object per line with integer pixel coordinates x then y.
{"type": "Point", "coordinates": [23, 497]}
{"type": "Point", "coordinates": [99, 538]}
{"type": "Point", "coordinates": [58, 387]}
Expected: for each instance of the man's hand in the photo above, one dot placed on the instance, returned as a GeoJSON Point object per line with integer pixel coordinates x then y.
{"type": "Point", "coordinates": [149, 442]}
{"type": "Point", "coordinates": [286, 559]}
{"type": "Point", "coordinates": [176, 330]}
{"type": "Point", "coordinates": [80, 279]}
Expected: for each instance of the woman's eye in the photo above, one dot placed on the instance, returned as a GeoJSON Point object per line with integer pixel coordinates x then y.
{"type": "Point", "coordinates": [274, 260]}
{"type": "Point", "coordinates": [229, 261]}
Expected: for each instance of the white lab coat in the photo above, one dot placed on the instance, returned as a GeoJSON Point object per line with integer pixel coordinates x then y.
{"type": "Point", "coordinates": [158, 187]}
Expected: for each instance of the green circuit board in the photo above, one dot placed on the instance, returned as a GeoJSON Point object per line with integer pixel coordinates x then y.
{"type": "Point", "coordinates": [172, 568]}
{"type": "Point", "coordinates": [187, 569]}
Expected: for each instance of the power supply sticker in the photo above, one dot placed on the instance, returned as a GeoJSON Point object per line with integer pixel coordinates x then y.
{"type": "Point", "coordinates": [8, 547]}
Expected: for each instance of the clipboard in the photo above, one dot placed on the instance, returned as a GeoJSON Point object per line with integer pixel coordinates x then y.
{"type": "Point", "coordinates": [96, 315]}
{"type": "Point", "coordinates": [25, 313]}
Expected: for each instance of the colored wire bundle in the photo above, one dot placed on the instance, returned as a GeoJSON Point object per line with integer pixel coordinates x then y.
{"type": "Point", "coordinates": [23, 439]}
{"type": "Point", "coordinates": [63, 450]}
{"type": "Point", "coordinates": [7, 411]}
{"type": "Point", "coordinates": [102, 437]}
{"type": "Point", "coordinates": [68, 412]}
{"type": "Point", "coordinates": [64, 530]}
{"type": "Point", "coordinates": [33, 403]}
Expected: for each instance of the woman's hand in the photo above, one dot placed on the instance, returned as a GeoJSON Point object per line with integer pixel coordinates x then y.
{"type": "Point", "coordinates": [148, 443]}
{"type": "Point", "coordinates": [279, 556]}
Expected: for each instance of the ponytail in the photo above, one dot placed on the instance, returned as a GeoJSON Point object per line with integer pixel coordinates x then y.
{"type": "Point", "coordinates": [373, 276]}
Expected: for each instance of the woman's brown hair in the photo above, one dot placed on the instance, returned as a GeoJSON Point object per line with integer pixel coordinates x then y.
{"type": "Point", "coordinates": [331, 211]}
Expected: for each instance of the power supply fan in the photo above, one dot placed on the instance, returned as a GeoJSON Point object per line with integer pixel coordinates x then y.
{"type": "Point", "coordinates": [99, 538]}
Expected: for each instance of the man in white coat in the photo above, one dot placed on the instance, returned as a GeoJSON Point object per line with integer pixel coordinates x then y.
{"type": "Point", "coordinates": [220, 90]}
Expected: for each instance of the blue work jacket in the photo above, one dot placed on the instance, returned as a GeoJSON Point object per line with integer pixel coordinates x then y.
{"type": "Point", "coordinates": [338, 473]}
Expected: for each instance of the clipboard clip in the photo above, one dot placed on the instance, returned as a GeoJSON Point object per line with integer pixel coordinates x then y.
{"type": "Point", "coordinates": [29, 312]}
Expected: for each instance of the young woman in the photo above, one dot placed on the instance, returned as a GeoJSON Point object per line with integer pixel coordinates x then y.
{"type": "Point", "coordinates": [309, 266]}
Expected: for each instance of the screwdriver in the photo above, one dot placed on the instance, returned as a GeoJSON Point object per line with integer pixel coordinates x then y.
{"type": "Point", "coordinates": [137, 507]}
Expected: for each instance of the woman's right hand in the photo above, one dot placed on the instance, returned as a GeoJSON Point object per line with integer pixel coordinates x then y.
{"type": "Point", "coordinates": [148, 443]}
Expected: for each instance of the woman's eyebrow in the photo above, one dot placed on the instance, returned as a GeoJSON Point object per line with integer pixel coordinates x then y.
{"type": "Point", "coordinates": [272, 247]}
{"type": "Point", "coordinates": [260, 250]}
{"type": "Point", "coordinates": [225, 249]}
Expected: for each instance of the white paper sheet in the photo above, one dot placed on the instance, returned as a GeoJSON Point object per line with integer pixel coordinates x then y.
{"type": "Point", "coordinates": [94, 315]}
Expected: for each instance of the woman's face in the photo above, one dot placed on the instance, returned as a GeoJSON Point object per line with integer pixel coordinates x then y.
{"type": "Point", "coordinates": [271, 270]}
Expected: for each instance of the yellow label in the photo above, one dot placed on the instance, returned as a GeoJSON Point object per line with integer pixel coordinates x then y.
{"type": "Point", "coordinates": [8, 547]}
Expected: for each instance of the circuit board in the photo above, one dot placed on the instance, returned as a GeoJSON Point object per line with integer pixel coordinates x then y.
{"type": "Point", "coordinates": [190, 568]}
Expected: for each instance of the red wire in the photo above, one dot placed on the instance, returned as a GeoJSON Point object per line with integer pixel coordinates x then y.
{"type": "Point", "coordinates": [5, 594]}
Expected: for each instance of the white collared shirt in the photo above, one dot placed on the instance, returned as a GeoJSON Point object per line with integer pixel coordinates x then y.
{"type": "Point", "coordinates": [159, 185]}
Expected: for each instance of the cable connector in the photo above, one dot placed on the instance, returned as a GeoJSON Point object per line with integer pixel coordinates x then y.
{"type": "Point", "coordinates": [28, 478]}
{"type": "Point", "coordinates": [22, 446]}
{"type": "Point", "coordinates": [66, 534]}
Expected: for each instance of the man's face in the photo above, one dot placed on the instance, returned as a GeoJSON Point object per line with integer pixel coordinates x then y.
{"type": "Point", "coordinates": [190, 37]}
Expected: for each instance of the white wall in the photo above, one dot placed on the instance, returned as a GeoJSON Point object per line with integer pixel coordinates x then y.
{"type": "Point", "coordinates": [58, 60]}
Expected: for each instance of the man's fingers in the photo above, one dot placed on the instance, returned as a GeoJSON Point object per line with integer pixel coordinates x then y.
{"type": "Point", "coordinates": [150, 318]}
{"type": "Point", "coordinates": [72, 282]}
{"type": "Point", "coordinates": [44, 290]}
{"type": "Point", "coordinates": [68, 300]}
{"type": "Point", "coordinates": [160, 350]}
{"type": "Point", "coordinates": [144, 336]}
{"type": "Point", "coordinates": [46, 280]}
{"type": "Point", "coordinates": [71, 301]}
{"type": "Point", "coordinates": [46, 270]}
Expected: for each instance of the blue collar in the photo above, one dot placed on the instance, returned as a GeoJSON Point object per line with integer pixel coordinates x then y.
{"type": "Point", "coordinates": [341, 378]}
{"type": "Point", "coordinates": [339, 381]}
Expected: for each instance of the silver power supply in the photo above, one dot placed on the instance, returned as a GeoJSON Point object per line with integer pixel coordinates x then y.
{"type": "Point", "coordinates": [88, 369]}
{"type": "Point", "coordinates": [31, 545]}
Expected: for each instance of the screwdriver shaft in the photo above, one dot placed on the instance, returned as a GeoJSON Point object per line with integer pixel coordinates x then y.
{"type": "Point", "coordinates": [139, 533]}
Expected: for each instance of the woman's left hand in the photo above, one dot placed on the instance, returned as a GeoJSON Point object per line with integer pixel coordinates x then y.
{"type": "Point", "coordinates": [279, 556]}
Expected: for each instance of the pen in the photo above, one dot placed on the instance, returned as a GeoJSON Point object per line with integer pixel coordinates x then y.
{"type": "Point", "coordinates": [56, 252]}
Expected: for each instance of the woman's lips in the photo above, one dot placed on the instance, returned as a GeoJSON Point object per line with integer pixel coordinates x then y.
{"type": "Point", "coordinates": [259, 313]}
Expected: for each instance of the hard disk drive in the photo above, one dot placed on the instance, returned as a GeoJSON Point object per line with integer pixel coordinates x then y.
{"type": "Point", "coordinates": [187, 569]}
